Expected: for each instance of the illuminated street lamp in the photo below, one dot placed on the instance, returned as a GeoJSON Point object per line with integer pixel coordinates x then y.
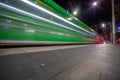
{"type": "Point", "coordinates": [75, 12]}
{"type": "Point", "coordinates": [95, 3]}
{"type": "Point", "coordinates": [103, 25]}
{"type": "Point", "coordinates": [94, 6]}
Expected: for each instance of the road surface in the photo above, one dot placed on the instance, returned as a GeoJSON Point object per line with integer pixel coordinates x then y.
{"type": "Point", "coordinates": [90, 62]}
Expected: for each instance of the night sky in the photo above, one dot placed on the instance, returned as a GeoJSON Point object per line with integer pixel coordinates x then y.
{"type": "Point", "coordinates": [90, 16]}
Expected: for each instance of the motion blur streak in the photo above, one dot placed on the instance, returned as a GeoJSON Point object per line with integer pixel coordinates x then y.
{"type": "Point", "coordinates": [39, 7]}
{"type": "Point", "coordinates": [35, 16]}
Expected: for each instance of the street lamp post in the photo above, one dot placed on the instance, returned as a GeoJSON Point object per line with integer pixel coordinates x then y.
{"type": "Point", "coordinates": [113, 23]}
{"type": "Point", "coordinates": [113, 20]}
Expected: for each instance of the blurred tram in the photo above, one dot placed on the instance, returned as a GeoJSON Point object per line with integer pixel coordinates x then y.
{"type": "Point", "coordinates": [41, 22]}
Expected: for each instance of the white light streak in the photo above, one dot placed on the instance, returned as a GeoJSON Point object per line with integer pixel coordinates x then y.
{"type": "Point", "coordinates": [35, 16]}
{"type": "Point", "coordinates": [30, 31]}
{"type": "Point", "coordinates": [46, 11]}
{"type": "Point", "coordinates": [60, 33]}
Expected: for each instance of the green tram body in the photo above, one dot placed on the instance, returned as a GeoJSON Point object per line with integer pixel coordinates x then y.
{"type": "Point", "coordinates": [40, 21]}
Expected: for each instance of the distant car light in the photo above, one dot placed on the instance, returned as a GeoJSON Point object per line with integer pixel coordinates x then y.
{"type": "Point", "coordinates": [104, 42]}
{"type": "Point", "coordinates": [118, 40]}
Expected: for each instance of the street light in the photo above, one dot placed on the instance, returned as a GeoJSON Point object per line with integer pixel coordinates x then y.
{"type": "Point", "coordinates": [103, 25]}
{"type": "Point", "coordinates": [94, 6]}
{"type": "Point", "coordinates": [75, 12]}
{"type": "Point", "coordinates": [95, 3]}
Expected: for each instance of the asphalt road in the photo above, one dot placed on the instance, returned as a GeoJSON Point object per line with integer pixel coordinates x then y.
{"type": "Point", "coordinates": [93, 62]}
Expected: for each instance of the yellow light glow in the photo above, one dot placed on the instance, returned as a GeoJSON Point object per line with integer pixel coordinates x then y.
{"type": "Point", "coordinates": [75, 13]}
{"type": "Point", "coordinates": [69, 19]}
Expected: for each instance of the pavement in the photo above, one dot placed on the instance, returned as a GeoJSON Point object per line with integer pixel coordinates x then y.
{"type": "Point", "coordinates": [92, 62]}
{"type": "Point", "coordinates": [23, 50]}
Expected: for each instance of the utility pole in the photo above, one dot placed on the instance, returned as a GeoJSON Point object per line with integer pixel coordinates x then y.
{"type": "Point", "coordinates": [113, 23]}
